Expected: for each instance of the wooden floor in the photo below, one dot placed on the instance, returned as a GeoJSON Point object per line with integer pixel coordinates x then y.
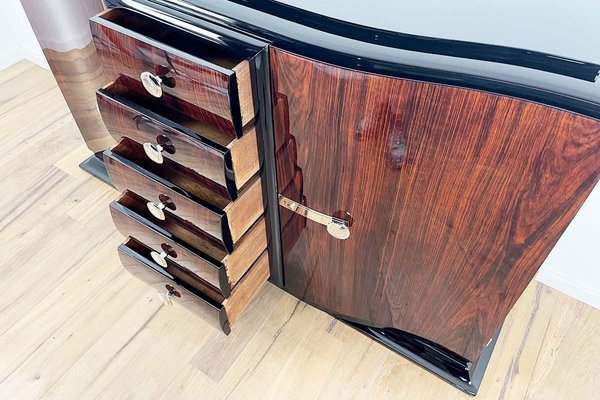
{"type": "Point", "coordinates": [75, 325]}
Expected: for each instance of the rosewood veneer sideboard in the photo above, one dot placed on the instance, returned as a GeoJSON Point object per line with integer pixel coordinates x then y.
{"type": "Point", "coordinates": [409, 186]}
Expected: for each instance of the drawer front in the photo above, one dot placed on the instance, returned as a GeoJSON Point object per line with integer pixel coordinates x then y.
{"type": "Point", "coordinates": [227, 221]}
{"type": "Point", "coordinates": [173, 287]}
{"type": "Point", "coordinates": [131, 44]}
{"type": "Point", "coordinates": [130, 224]}
{"type": "Point", "coordinates": [204, 258]}
{"type": "Point", "coordinates": [229, 166]}
{"type": "Point", "coordinates": [136, 260]}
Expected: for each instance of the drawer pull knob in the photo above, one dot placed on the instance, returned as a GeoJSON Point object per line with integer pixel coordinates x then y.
{"type": "Point", "coordinates": [160, 258]}
{"type": "Point", "coordinates": [154, 152]}
{"type": "Point", "coordinates": [152, 83]}
{"type": "Point", "coordinates": [157, 209]}
{"type": "Point", "coordinates": [336, 227]}
{"type": "Point", "coordinates": [166, 296]}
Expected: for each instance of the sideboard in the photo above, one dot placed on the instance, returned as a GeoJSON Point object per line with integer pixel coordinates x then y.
{"type": "Point", "coordinates": [410, 186]}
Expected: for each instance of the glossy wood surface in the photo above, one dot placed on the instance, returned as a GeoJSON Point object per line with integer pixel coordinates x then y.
{"type": "Point", "coordinates": [129, 44]}
{"type": "Point", "coordinates": [202, 301]}
{"type": "Point", "coordinates": [184, 193]}
{"type": "Point", "coordinates": [136, 259]}
{"type": "Point", "coordinates": [140, 119]}
{"type": "Point", "coordinates": [194, 249]}
{"type": "Point", "coordinates": [457, 197]}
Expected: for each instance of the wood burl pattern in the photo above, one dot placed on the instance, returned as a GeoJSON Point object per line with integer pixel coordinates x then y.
{"type": "Point", "coordinates": [457, 197]}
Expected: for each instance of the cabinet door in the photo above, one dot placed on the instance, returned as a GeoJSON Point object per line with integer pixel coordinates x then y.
{"type": "Point", "coordinates": [456, 197]}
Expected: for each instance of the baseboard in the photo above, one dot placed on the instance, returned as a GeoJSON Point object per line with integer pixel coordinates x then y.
{"type": "Point", "coordinates": [570, 287]}
{"type": "Point", "coordinates": [38, 59]}
{"type": "Point", "coordinates": [8, 59]}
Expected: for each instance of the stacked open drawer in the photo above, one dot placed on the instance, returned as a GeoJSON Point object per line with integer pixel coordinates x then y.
{"type": "Point", "coordinates": [181, 108]}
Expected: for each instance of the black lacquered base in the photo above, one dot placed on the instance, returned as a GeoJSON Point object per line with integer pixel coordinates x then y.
{"type": "Point", "coordinates": [444, 363]}
{"type": "Point", "coordinates": [95, 166]}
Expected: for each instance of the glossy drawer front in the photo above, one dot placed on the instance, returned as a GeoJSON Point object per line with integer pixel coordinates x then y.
{"type": "Point", "coordinates": [173, 239]}
{"type": "Point", "coordinates": [166, 133]}
{"type": "Point", "coordinates": [196, 68]}
{"type": "Point", "coordinates": [171, 187]}
{"type": "Point", "coordinates": [175, 286]}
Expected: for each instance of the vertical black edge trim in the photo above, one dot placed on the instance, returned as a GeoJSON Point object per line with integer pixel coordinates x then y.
{"type": "Point", "coordinates": [226, 237]}
{"type": "Point", "coordinates": [224, 322]}
{"type": "Point", "coordinates": [94, 166]}
{"type": "Point", "coordinates": [229, 175]}
{"type": "Point", "coordinates": [234, 104]}
{"type": "Point", "coordinates": [224, 282]}
{"type": "Point", "coordinates": [261, 86]}
{"type": "Point", "coordinates": [447, 365]}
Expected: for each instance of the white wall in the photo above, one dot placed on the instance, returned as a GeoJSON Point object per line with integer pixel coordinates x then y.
{"type": "Point", "coordinates": [17, 40]}
{"type": "Point", "coordinates": [573, 267]}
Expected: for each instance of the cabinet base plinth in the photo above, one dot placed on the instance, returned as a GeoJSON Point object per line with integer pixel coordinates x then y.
{"type": "Point", "coordinates": [95, 167]}
{"type": "Point", "coordinates": [451, 367]}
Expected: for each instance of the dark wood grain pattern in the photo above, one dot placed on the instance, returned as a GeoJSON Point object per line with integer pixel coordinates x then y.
{"type": "Point", "coordinates": [129, 44]}
{"type": "Point", "coordinates": [184, 193]}
{"type": "Point", "coordinates": [194, 250]}
{"type": "Point", "coordinates": [129, 115]}
{"type": "Point", "coordinates": [457, 197]}
{"type": "Point", "coordinates": [192, 293]}
{"type": "Point", "coordinates": [135, 257]}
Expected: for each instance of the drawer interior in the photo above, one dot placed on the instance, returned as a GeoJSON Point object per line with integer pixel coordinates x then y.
{"type": "Point", "coordinates": [202, 44]}
{"type": "Point", "coordinates": [174, 175]}
{"type": "Point", "coordinates": [178, 230]}
{"type": "Point", "coordinates": [131, 90]}
{"type": "Point", "coordinates": [175, 273]}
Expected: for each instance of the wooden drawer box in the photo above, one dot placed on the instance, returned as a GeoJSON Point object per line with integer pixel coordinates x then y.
{"type": "Point", "coordinates": [199, 69]}
{"type": "Point", "coordinates": [170, 186]}
{"type": "Point", "coordinates": [189, 247]}
{"type": "Point", "coordinates": [176, 285]}
{"type": "Point", "coordinates": [195, 144]}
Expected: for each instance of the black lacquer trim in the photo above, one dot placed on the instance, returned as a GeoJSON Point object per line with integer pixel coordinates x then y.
{"type": "Point", "coordinates": [94, 166]}
{"type": "Point", "coordinates": [384, 64]}
{"type": "Point", "coordinates": [442, 362]}
{"type": "Point", "coordinates": [455, 48]}
{"type": "Point", "coordinates": [234, 105]}
{"type": "Point", "coordinates": [266, 151]}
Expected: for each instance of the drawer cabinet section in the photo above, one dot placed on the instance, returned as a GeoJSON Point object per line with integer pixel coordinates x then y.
{"type": "Point", "coordinates": [166, 133]}
{"type": "Point", "coordinates": [200, 68]}
{"type": "Point", "coordinates": [170, 187]}
{"type": "Point", "coordinates": [175, 285]}
{"type": "Point", "coordinates": [173, 239]}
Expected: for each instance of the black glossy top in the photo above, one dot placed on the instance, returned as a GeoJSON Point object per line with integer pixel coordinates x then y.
{"type": "Point", "coordinates": [436, 41]}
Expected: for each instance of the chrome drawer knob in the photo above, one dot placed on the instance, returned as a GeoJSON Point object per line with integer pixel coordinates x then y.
{"type": "Point", "coordinates": [154, 152]}
{"type": "Point", "coordinates": [152, 84]}
{"type": "Point", "coordinates": [160, 258]}
{"type": "Point", "coordinates": [157, 209]}
{"type": "Point", "coordinates": [165, 297]}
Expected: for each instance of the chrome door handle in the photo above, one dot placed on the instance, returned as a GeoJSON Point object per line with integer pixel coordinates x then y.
{"type": "Point", "coordinates": [336, 227]}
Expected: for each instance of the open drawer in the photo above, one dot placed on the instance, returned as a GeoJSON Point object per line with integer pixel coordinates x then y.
{"type": "Point", "coordinates": [176, 285]}
{"type": "Point", "coordinates": [170, 187]}
{"type": "Point", "coordinates": [165, 132]}
{"type": "Point", "coordinates": [199, 67]}
{"type": "Point", "coordinates": [174, 239]}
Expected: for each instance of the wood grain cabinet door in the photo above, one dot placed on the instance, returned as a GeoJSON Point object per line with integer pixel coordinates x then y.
{"type": "Point", "coordinates": [456, 196]}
